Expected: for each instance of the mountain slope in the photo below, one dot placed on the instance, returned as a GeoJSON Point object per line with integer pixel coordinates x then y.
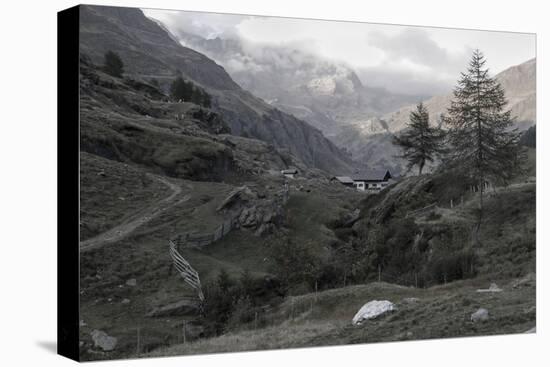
{"type": "Point", "coordinates": [518, 82]}
{"type": "Point", "coordinates": [326, 94]}
{"type": "Point", "coordinates": [149, 52]}
{"type": "Point", "coordinates": [370, 141]}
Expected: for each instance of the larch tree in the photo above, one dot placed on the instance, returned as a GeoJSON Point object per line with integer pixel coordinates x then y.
{"type": "Point", "coordinates": [421, 143]}
{"type": "Point", "coordinates": [484, 145]}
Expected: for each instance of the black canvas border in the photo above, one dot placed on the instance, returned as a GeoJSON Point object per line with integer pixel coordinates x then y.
{"type": "Point", "coordinates": [68, 141]}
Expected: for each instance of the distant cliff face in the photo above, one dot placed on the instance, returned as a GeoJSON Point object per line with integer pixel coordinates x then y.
{"type": "Point", "coordinates": [148, 52]}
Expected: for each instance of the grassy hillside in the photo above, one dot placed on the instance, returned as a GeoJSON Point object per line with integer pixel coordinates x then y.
{"type": "Point", "coordinates": [325, 318]}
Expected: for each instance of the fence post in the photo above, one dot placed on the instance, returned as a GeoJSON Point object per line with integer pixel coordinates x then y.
{"type": "Point", "coordinates": [315, 291]}
{"type": "Point", "coordinates": [183, 330]}
{"type": "Point", "coordinates": [138, 342]}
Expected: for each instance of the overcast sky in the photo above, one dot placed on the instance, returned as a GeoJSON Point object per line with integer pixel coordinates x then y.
{"type": "Point", "coordinates": [417, 60]}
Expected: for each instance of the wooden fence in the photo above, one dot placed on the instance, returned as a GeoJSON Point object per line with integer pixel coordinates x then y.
{"type": "Point", "coordinates": [421, 210]}
{"type": "Point", "coordinates": [190, 275]}
{"type": "Point", "coordinates": [193, 239]}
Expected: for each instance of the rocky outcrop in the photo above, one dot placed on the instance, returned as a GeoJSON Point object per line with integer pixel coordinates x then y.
{"type": "Point", "coordinates": [148, 50]}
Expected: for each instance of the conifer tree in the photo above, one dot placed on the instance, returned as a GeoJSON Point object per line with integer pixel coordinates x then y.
{"type": "Point", "coordinates": [484, 144]}
{"type": "Point", "coordinates": [421, 143]}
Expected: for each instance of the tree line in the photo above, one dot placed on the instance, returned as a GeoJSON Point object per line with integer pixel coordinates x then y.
{"type": "Point", "coordinates": [180, 89]}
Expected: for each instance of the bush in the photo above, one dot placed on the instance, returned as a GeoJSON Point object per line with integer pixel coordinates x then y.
{"type": "Point", "coordinates": [453, 266]}
{"type": "Point", "coordinates": [230, 304]}
{"type": "Point", "coordinates": [343, 234]}
{"type": "Point", "coordinates": [113, 64]}
{"type": "Point", "coordinates": [295, 263]}
{"type": "Point", "coordinates": [187, 91]}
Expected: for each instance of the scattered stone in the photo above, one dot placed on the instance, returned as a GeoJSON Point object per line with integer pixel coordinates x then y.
{"type": "Point", "coordinates": [493, 288]}
{"type": "Point", "coordinates": [371, 310]}
{"type": "Point", "coordinates": [131, 282]}
{"type": "Point", "coordinates": [183, 307]}
{"type": "Point", "coordinates": [410, 300]}
{"type": "Point", "coordinates": [81, 344]}
{"type": "Point", "coordinates": [481, 314]}
{"type": "Point", "coordinates": [125, 301]}
{"type": "Point", "coordinates": [103, 341]}
{"type": "Point", "coordinates": [82, 323]}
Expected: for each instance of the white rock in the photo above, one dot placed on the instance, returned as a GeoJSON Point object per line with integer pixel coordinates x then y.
{"type": "Point", "coordinates": [125, 301]}
{"type": "Point", "coordinates": [492, 288]}
{"type": "Point", "coordinates": [103, 341]}
{"type": "Point", "coordinates": [480, 315]}
{"type": "Point", "coordinates": [131, 282]}
{"type": "Point", "coordinates": [372, 310]}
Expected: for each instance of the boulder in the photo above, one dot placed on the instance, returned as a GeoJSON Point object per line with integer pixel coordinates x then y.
{"type": "Point", "coordinates": [103, 341]}
{"type": "Point", "coordinates": [125, 301]}
{"type": "Point", "coordinates": [131, 282]}
{"type": "Point", "coordinates": [371, 310]}
{"type": "Point", "coordinates": [183, 307]}
{"type": "Point", "coordinates": [481, 314]}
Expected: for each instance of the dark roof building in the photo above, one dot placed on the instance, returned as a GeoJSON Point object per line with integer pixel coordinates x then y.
{"type": "Point", "coordinates": [372, 176]}
{"type": "Point", "coordinates": [373, 180]}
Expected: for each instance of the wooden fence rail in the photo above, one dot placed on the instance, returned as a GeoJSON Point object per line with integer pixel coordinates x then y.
{"type": "Point", "coordinates": [421, 210]}
{"type": "Point", "coordinates": [190, 275]}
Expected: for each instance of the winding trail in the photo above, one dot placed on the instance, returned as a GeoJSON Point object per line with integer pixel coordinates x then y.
{"type": "Point", "coordinates": [136, 220]}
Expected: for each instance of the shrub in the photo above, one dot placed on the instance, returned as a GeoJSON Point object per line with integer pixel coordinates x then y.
{"type": "Point", "coordinates": [453, 266]}
{"type": "Point", "coordinates": [187, 91]}
{"type": "Point", "coordinates": [113, 64]}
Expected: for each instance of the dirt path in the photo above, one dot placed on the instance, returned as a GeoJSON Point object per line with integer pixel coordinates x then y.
{"type": "Point", "coordinates": [136, 220]}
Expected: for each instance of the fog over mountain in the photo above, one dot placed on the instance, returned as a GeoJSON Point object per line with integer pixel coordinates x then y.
{"type": "Point", "coordinates": [372, 143]}
{"type": "Point", "coordinates": [325, 93]}
{"type": "Point", "coordinates": [356, 82]}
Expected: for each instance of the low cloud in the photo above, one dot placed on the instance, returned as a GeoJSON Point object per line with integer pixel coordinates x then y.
{"type": "Point", "coordinates": [414, 63]}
